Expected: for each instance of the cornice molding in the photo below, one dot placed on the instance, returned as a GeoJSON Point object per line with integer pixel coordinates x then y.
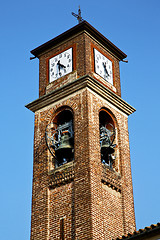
{"type": "Point", "coordinates": [81, 27]}
{"type": "Point", "coordinates": [76, 85]}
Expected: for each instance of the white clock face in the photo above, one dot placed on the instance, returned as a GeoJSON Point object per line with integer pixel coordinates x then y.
{"type": "Point", "coordinates": [103, 66]}
{"type": "Point", "coordinates": [60, 65]}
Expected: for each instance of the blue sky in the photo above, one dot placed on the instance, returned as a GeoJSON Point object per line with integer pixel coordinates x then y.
{"type": "Point", "coordinates": [134, 27]}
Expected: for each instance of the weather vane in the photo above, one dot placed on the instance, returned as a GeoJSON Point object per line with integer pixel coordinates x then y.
{"type": "Point", "coordinates": [78, 16]}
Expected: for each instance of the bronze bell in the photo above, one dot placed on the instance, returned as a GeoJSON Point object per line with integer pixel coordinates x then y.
{"type": "Point", "coordinates": [65, 147]}
{"type": "Point", "coordinates": [106, 147]}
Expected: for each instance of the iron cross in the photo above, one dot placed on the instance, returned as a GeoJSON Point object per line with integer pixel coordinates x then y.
{"type": "Point", "coordinates": [78, 16]}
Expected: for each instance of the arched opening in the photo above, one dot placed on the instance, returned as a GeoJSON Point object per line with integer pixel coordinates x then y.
{"type": "Point", "coordinates": [107, 138]}
{"type": "Point", "coordinates": [63, 117]}
{"type": "Point", "coordinates": [60, 137]}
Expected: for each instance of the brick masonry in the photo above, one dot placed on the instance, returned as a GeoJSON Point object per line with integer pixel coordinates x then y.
{"type": "Point", "coordinates": [95, 202]}
{"type": "Point", "coordinates": [83, 46]}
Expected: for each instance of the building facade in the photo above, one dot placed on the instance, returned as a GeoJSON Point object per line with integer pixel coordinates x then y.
{"type": "Point", "coordinates": [82, 184]}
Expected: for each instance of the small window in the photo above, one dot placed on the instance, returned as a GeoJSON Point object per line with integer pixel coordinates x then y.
{"type": "Point", "coordinates": [62, 229]}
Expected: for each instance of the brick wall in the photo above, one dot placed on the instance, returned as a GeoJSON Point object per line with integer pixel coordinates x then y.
{"type": "Point", "coordinates": [91, 208]}
{"type": "Point", "coordinates": [95, 202]}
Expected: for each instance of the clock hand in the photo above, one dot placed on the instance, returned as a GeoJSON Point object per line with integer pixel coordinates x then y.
{"type": "Point", "coordinates": [104, 65]}
{"type": "Point", "coordinates": [60, 65]}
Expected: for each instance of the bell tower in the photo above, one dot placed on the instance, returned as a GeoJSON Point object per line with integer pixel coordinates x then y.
{"type": "Point", "coordinates": [82, 184]}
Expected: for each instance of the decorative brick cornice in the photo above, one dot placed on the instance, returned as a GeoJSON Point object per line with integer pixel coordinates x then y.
{"type": "Point", "coordinates": [82, 27]}
{"type": "Point", "coordinates": [62, 175]}
{"type": "Point", "coordinates": [111, 179]}
{"type": "Point", "coordinates": [84, 82]}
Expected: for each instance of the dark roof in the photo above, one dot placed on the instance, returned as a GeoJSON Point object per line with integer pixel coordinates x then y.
{"type": "Point", "coordinates": [150, 231]}
{"type": "Point", "coordinates": [83, 26]}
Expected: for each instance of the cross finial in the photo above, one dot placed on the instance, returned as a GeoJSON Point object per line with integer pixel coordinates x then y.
{"type": "Point", "coordinates": [78, 16]}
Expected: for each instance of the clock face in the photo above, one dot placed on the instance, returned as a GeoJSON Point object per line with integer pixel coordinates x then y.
{"type": "Point", "coordinates": [60, 65]}
{"type": "Point", "coordinates": [103, 66]}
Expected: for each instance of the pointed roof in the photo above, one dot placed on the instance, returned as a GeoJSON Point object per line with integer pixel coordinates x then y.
{"type": "Point", "coordinates": [84, 26]}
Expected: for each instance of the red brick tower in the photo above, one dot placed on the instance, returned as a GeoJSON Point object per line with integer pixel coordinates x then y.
{"type": "Point", "coordinates": [82, 185]}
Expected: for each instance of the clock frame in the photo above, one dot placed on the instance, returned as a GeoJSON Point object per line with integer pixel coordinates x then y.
{"type": "Point", "coordinates": [60, 65]}
{"type": "Point", "coordinates": [104, 66]}
{"type": "Point", "coordinates": [52, 61]}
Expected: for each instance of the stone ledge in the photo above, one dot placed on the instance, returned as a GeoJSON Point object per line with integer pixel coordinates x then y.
{"type": "Point", "coordinates": [111, 178]}
{"type": "Point", "coordinates": [83, 82]}
{"type": "Point", "coordinates": [61, 175]}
